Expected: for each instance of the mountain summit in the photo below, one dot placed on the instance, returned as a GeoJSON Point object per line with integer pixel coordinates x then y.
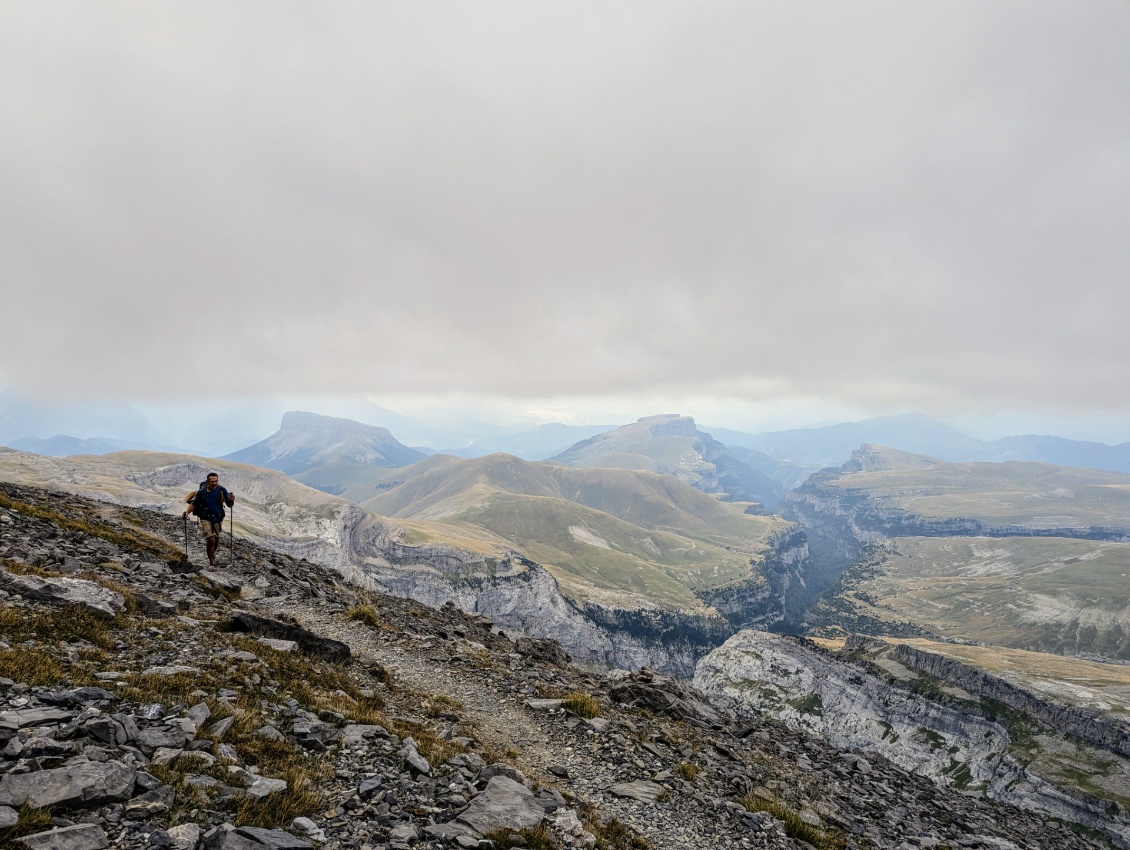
{"type": "Point", "coordinates": [306, 442]}
{"type": "Point", "coordinates": [673, 445]}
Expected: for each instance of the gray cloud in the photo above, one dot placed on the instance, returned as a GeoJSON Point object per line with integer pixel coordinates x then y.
{"type": "Point", "coordinates": [879, 203]}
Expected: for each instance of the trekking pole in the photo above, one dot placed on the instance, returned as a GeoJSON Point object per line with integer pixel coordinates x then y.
{"type": "Point", "coordinates": [185, 517]}
{"type": "Point", "coordinates": [231, 537]}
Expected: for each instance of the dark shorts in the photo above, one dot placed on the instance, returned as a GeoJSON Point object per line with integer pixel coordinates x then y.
{"type": "Point", "coordinates": [211, 529]}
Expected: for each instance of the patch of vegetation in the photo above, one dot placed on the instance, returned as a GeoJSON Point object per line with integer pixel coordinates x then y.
{"type": "Point", "coordinates": [934, 739]}
{"type": "Point", "coordinates": [439, 705]}
{"type": "Point", "coordinates": [128, 538]}
{"type": "Point", "coordinates": [582, 704]}
{"type": "Point", "coordinates": [795, 827]}
{"type": "Point", "coordinates": [58, 625]}
{"type": "Point", "coordinates": [22, 569]}
{"type": "Point", "coordinates": [688, 770]}
{"type": "Point", "coordinates": [534, 839]}
{"type": "Point", "coordinates": [811, 704]}
{"type": "Point", "coordinates": [366, 614]}
{"type": "Point", "coordinates": [31, 666]}
{"type": "Point", "coordinates": [31, 820]}
{"type": "Point", "coordinates": [613, 835]}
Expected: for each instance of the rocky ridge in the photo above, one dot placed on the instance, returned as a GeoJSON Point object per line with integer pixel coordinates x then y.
{"type": "Point", "coordinates": [858, 705]}
{"type": "Point", "coordinates": [163, 725]}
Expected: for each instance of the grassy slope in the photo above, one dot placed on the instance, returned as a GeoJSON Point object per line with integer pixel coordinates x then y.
{"type": "Point", "coordinates": [1020, 493]}
{"type": "Point", "coordinates": [1044, 593]}
{"type": "Point", "coordinates": [269, 503]}
{"type": "Point", "coordinates": [603, 533]}
{"type": "Point", "coordinates": [608, 535]}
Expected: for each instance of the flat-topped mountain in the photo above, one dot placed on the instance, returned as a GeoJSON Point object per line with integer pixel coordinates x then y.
{"type": "Point", "coordinates": [673, 445]}
{"type": "Point", "coordinates": [325, 449]}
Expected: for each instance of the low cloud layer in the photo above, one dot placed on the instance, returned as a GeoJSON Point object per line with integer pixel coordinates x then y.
{"type": "Point", "coordinates": [881, 204]}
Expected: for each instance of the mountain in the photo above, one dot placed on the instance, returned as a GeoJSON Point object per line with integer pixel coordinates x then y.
{"type": "Point", "coordinates": [534, 444]}
{"type": "Point", "coordinates": [613, 536]}
{"type": "Point", "coordinates": [21, 418]}
{"type": "Point", "coordinates": [831, 445]}
{"type": "Point", "coordinates": [672, 445]}
{"type": "Point", "coordinates": [323, 450]}
{"type": "Point", "coordinates": [63, 445]}
{"type": "Point", "coordinates": [1017, 554]}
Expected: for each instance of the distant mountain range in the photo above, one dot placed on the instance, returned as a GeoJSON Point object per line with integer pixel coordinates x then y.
{"type": "Point", "coordinates": [63, 446]}
{"type": "Point", "coordinates": [832, 445]}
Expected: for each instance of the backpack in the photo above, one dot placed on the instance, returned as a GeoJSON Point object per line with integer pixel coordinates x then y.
{"type": "Point", "coordinates": [198, 493]}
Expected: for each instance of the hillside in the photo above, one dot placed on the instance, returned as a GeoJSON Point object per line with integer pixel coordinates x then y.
{"type": "Point", "coordinates": [323, 450]}
{"type": "Point", "coordinates": [602, 533]}
{"type": "Point", "coordinates": [292, 711]}
{"type": "Point", "coordinates": [673, 445]}
{"type": "Point", "coordinates": [659, 583]}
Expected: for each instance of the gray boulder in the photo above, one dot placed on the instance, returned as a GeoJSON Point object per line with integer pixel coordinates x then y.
{"type": "Point", "coordinates": [663, 695]}
{"type": "Point", "coordinates": [505, 804]}
{"type": "Point", "coordinates": [643, 791]}
{"type": "Point", "coordinates": [80, 785]}
{"type": "Point", "coordinates": [83, 836]}
{"type": "Point", "coordinates": [65, 591]}
{"type": "Point", "coordinates": [308, 642]}
{"type": "Point", "coordinates": [228, 837]}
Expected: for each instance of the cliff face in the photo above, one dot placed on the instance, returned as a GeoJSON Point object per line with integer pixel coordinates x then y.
{"type": "Point", "coordinates": [758, 674]}
{"type": "Point", "coordinates": [521, 596]}
{"type": "Point", "coordinates": [1088, 724]}
{"type": "Point", "coordinates": [840, 521]}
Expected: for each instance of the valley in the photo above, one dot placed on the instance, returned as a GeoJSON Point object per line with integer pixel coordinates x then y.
{"type": "Point", "coordinates": [994, 595]}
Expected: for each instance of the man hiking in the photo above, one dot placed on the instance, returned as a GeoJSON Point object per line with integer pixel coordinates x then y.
{"type": "Point", "coordinates": [208, 504]}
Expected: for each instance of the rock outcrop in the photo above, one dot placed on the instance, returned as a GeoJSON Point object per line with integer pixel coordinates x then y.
{"type": "Point", "coordinates": [762, 675]}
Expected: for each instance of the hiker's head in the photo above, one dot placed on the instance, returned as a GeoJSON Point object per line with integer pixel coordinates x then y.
{"type": "Point", "coordinates": [211, 480]}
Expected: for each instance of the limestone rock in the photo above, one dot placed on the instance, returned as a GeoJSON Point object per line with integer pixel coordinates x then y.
{"type": "Point", "coordinates": [83, 836]}
{"type": "Point", "coordinates": [84, 784]}
{"type": "Point", "coordinates": [505, 804]}
{"type": "Point", "coordinates": [65, 591]}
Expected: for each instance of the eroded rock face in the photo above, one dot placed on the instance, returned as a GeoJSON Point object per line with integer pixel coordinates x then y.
{"type": "Point", "coordinates": [764, 675]}
{"type": "Point", "coordinates": [663, 695]}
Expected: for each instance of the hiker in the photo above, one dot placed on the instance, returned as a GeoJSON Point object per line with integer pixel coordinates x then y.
{"type": "Point", "coordinates": [208, 505]}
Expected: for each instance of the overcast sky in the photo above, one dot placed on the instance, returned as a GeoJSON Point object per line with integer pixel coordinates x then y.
{"type": "Point", "coordinates": [864, 206]}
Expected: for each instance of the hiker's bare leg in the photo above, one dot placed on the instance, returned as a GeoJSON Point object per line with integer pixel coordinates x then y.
{"type": "Point", "coordinates": [213, 542]}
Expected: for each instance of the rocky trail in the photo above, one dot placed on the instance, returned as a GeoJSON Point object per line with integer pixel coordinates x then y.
{"type": "Point", "coordinates": [270, 705]}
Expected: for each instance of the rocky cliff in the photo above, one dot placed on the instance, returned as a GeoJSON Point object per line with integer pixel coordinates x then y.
{"type": "Point", "coordinates": [792, 680]}
{"type": "Point", "coordinates": [1088, 724]}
